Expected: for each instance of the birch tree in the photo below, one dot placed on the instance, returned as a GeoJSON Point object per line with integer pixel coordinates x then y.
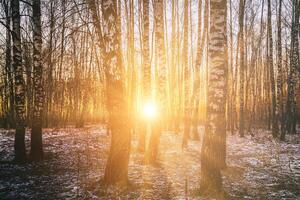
{"type": "Point", "coordinates": [294, 64]}
{"type": "Point", "coordinates": [185, 51]}
{"type": "Point", "coordinates": [215, 131]}
{"type": "Point", "coordinates": [9, 83]}
{"type": "Point", "coordinates": [197, 81]}
{"type": "Point", "coordinates": [152, 151]}
{"type": "Point", "coordinates": [242, 62]}
{"type": "Point", "coordinates": [19, 146]}
{"type": "Point", "coordinates": [279, 101]}
{"type": "Point", "coordinates": [36, 152]}
{"type": "Point", "coordinates": [271, 68]}
{"type": "Point", "coordinates": [146, 70]}
{"type": "Point", "coordinates": [116, 171]}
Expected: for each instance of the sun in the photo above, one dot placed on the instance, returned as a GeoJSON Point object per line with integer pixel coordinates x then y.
{"type": "Point", "coordinates": [149, 110]}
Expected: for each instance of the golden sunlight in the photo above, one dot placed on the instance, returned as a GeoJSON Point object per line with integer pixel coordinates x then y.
{"type": "Point", "coordinates": [140, 99]}
{"type": "Point", "coordinates": [149, 110]}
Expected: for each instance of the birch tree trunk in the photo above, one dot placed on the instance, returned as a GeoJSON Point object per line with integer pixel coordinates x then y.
{"type": "Point", "coordinates": [152, 152]}
{"type": "Point", "coordinates": [116, 171]}
{"type": "Point", "coordinates": [232, 98]}
{"type": "Point", "coordinates": [8, 69]}
{"type": "Point", "coordinates": [146, 73]}
{"type": "Point", "coordinates": [197, 81]}
{"type": "Point", "coordinates": [242, 62]}
{"type": "Point", "coordinates": [50, 64]}
{"type": "Point", "coordinates": [294, 63]}
{"type": "Point", "coordinates": [187, 117]}
{"type": "Point", "coordinates": [36, 152]}
{"type": "Point", "coordinates": [214, 138]}
{"type": "Point", "coordinates": [280, 75]}
{"type": "Point", "coordinates": [19, 146]}
{"type": "Point", "coordinates": [271, 68]}
{"type": "Point", "coordinates": [172, 68]}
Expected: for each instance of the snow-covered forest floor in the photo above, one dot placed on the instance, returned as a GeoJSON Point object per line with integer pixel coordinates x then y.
{"type": "Point", "coordinates": [258, 168]}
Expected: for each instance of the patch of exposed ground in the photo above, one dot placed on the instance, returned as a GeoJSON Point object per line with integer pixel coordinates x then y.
{"type": "Point", "coordinates": [258, 168]}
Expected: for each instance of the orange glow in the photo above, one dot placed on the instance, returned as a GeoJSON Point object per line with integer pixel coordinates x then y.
{"type": "Point", "coordinates": [149, 110]}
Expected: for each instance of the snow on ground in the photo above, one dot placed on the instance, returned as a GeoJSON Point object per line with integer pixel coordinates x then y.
{"type": "Point", "coordinates": [258, 168]}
